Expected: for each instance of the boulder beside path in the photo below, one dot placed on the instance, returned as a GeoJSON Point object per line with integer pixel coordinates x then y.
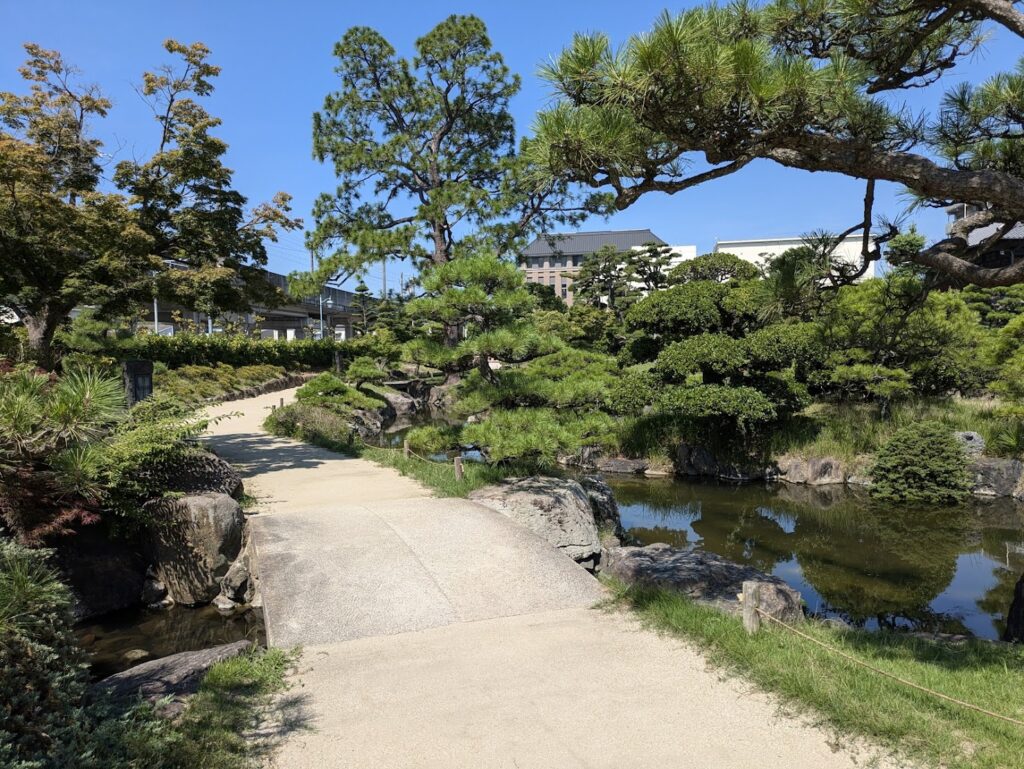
{"type": "Point", "coordinates": [703, 577]}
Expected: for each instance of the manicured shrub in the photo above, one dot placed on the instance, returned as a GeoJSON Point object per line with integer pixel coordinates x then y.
{"type": "Point", "coordinates": [538, 437]}
{"type": "Point", "coordinates": [782, 345]}
{"type": "Point", "coordinates": [716, 357]}
{"type": "Point", "coordinates": [43, 723]}
{"type": "Point", "coordinates": [365, 370]}
{"type": "Point", "coordinates": [738, 407]}
{"type": "Point", "coordinates": [921, 464]}
{"type": "Point", "coordinates": [680, 311]}
{"type": "Point", "coordinates": [329, 391]}
{"type": "Point", "coordinates": [718, 267]}
{"type": "Point", "coordinates": [633, 391]}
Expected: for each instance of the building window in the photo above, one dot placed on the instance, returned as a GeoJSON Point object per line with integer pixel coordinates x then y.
{"type": "Point", "coordinates": [565, 291]}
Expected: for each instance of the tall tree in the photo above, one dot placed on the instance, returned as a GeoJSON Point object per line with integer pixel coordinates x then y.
{"type": "Point", "coordinates": [601, 278]}
{"type": "Point", "coordinates": [811, 85]}
{"type": "Point", "coordinates": [62, 242]}
{"type": "Point", "coordinates": [426, 157]}
{"type": "Point", "coordinates": [186, 202]}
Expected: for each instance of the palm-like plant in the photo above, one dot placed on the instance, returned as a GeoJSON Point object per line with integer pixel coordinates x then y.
{"type": "Point", "coordinates": [51, 429]}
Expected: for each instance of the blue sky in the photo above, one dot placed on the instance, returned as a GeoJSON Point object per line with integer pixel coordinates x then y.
{"type": "Point", "coordinates": [277, 67]}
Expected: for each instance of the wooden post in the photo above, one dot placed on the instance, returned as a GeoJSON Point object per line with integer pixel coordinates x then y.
{"type": "Point", "coordinates": [282, 401]}
{"type": "Point", "coordinates": [459, 474]}
{"type": "Point", "coordinates": [751, 599]}
{"type": "Point", "coordinates": [405, 448]}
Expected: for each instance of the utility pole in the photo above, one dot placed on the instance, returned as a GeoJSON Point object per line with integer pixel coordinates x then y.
{"type": "Point", "coordinates": [384, 278]}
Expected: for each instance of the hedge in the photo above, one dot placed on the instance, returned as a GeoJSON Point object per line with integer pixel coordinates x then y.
{"type": "Point", "coordinates": [232, 349]}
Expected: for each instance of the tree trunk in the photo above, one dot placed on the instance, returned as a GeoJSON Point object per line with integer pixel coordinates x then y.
{"type": "Point", "coordinates": [1015, 616]}
{"type": "Point", "coordinates": [41, 328]}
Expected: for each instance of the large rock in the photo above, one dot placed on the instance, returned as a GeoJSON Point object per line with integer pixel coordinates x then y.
{"type": "Point", "coordinates": [170, 680]}
{"type": "Point", "coordinates": [603, 504]}
{"type": "Point", "coordinates": [995, 477]}
{"type": "Point", "coordinates": [402, 404]}
{"type": "Point", "coordinates": [814, 471]}
{"type": "Point", "coordinates": [193, 542]}
{"type": "Point", "coordinates": [699, 461]}
{"type": "Point", "coordinates": [973, 444]}
{"type": "Point", "coordinates": [622, 465]}
{"type": "Point", "coordinates": [556, 509]}
{"type": "Point", "coordinates": [105, 574]}
{"type": "Point", "coordinates": [702, 576]}
{"type": "Point", "coordinates": [194, 473]}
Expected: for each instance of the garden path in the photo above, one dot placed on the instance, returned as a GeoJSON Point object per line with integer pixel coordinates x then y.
{"type": "Point", "coordinates": [437, 633]}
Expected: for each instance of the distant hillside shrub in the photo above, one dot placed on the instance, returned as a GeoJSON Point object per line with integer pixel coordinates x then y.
{"type": "Point", "coordinates": [921, 464]}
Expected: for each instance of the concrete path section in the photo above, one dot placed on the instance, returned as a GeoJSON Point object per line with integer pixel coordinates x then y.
{"type": "Point", "coordinates": [438, 633]}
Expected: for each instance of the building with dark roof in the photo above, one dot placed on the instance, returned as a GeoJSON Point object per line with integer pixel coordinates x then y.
{"type": "Point", "coordinates": [553, 259]}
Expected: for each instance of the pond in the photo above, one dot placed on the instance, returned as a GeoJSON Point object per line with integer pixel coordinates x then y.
{"type": "Point", "coordinates": [936, 570]}
{"type": "Point", "coordinates": [117, 641]}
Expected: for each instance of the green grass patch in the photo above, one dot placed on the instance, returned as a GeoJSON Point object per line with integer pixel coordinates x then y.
{"type": "Point", "coordinates": [192, 383]}
{"type": "Point", "coordinates": [216, 730]}
{"type": "Point", "coordinates": [849, 430]}
{"type": "Point", "coordinates": [858, 701]}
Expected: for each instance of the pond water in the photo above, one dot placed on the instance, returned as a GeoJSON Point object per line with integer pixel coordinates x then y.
{"type": "Point", "coordinates": [120, 640]}
{"type": "Point", "coordinates": [944, 570]}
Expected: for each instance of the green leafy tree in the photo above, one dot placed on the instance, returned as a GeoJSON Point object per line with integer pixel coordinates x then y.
{"type": "Point", "coordinates": [425, 155]}
{"type": "Point", "coordinates": [184, 198]}
{"type": "Point", "coordinates": [719, 267]}
{"type": "Point", "coordinates": [647, 268]}
{"type": "Point", "coordinates": [601, 280]}
{"type": "Point", "coordinates": [815, 86]}
{"type": "Point", "coordinates": [62, 242]}
{"type": "Point", "coordinates": [486, 298]}
{"type": "Point", "coordinates": [365, 310]}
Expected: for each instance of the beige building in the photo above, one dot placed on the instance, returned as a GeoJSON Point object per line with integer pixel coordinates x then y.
{"type": "Point", "coordinates": [553, 260]}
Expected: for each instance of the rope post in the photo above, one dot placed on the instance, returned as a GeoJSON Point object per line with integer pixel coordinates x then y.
{"type": "Point", "coordinates": [282, 402]}
{"type": "Point", "coordinates": [459, 474]}
{"type": "Point", "coordinates": [751, 599]}
{"type": "Point", "coordinates": [406, 451]}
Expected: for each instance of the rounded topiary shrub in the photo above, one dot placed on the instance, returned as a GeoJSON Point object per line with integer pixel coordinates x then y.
{"type": "Point", "coordinates": [921, 464]}
{"type": "Point", "coordinates": [42, 689]}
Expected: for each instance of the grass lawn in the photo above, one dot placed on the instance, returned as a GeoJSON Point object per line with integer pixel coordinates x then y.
{"type": "Point", "coordinates": [857, 701]}
{"type": "Point", "coordinates": [849, 430]}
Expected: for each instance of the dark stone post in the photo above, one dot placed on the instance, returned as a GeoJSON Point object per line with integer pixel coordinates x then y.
{"type": "Point", "coordinates": [138, 380]}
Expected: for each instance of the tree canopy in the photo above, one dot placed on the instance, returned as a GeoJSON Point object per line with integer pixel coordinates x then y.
{"type": "Point", "coordinates": [426, 156]}
{"type": "Point", "coordinates": [808, 84]}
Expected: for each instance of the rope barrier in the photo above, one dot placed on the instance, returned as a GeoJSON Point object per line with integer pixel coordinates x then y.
{"type": "Point", "coordinates": [892, 676]}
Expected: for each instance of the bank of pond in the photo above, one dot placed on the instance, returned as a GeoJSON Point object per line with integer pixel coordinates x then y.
{"type": "Point", "coordinates": [942, 570]}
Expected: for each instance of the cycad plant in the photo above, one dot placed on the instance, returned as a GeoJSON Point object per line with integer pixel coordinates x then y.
{"type": "Point", "coordinates": [51, 430]}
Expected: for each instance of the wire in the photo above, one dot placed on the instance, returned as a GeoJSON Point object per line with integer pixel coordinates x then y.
{"type": "Point", "coordinates": [893, 676]}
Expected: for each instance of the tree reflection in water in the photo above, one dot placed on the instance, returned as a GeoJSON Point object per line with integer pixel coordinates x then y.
{"type": "Point", "coordinates": [872, 565]}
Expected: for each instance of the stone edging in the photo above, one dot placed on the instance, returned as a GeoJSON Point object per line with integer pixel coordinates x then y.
{"type": "Point", "coordinates": [281, 383]}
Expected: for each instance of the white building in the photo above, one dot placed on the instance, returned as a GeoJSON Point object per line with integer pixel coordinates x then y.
{"type": "Point", "coordinates": [759, 250]}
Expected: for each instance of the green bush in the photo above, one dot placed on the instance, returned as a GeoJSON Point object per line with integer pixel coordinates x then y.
{"type": "Point", "coordinates": [42, 689]}
{"type": "Point", "coordinates": [716, 357]}
{"type": "Point", "coordinates": [538, 437]}
{"type": "Point", "coordinates": [719, 267]}
{"type": "Point", "coordinates": [738, 408]}
{"type": "Point", "coordinates": [680, 311]}
{"type": "Point", "coordinates": [633, 391]}
{"type": "Point", "coordinates": [921, 464]}
{"type": "Point", "coordinates": [312, 423]}
{"type": "Point", "coordinates": [782, 345]}
{"type": "Point", "coordinates": [433, 439]}
{"type": "Point", "coordinates": [233, 350]}
{"type": "Point", "coordinates": [329, 391]}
